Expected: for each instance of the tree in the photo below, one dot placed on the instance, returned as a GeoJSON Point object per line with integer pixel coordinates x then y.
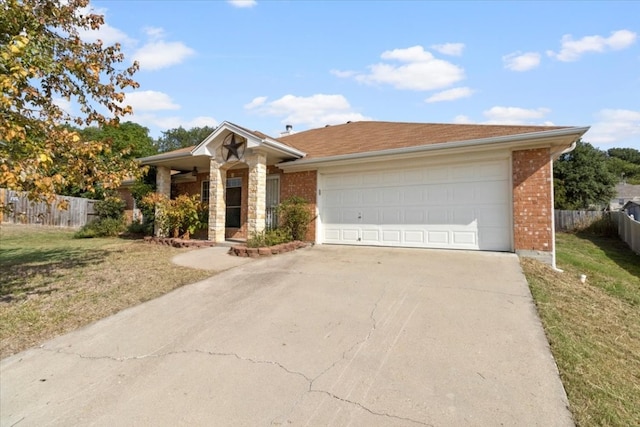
{"type": "Point", "coordinates": [624, 163]}
{"type": "Point", "coordinates": [43, 62]}
{"type": "Point", "coordinates": [630, 155]}
{"type": "Point", "coordinates": [174, 139]}
{"type": "Point", "coordinates": [582, 179]}
{"type": "Point", "coordinates": [129, 138]}
{"type": "Point", "coordinates": [122, 143]}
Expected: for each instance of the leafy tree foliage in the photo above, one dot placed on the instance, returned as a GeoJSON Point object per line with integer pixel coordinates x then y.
{"type": "Point", "coordinates": [129, 138]}
{"type": "Point", "coordinates": [630, 155]}
{"type": "Point", "coordinates": [582, 179]}
{"type": "Point", "coordinates": [624, 163]}
{"type": "Point", "coordinates": [43, 61]}
{"type": "Point", "coordinates": [174, 139]}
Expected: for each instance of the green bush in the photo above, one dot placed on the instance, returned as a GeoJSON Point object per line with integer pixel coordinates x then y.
{"type": "Point", "coordinates": [268, 238]}
{"type": "Point", "coordinates": [295, 216]}
{"type": "Point", "coordinates": [179, 217]}
{"type": "Point", "coordinates": [110, 207]}
{"type": "Point", "coordinates": [110, 220]}
{"type": "Point", "coordinates": [102, 227]}
{"type": "Point", "coordinates": [142, 228]}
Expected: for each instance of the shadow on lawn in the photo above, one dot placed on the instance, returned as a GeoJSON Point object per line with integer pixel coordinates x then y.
{"type": "Point", "coordinates": [616, 250]}
{"type": "Point", "coordinates": [32, 272]}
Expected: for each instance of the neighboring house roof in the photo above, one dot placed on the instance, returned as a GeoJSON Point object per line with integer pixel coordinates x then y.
{"type": "Point", "coordinates": [366, 136]}
{"type": "Point", "coordinates": [627, 191]}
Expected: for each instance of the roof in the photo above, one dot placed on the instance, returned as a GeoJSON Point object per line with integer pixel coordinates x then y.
{"type": "Point", "coordinates": [366, 136]}
{"type": "Point", "coordinates": [627, 191]}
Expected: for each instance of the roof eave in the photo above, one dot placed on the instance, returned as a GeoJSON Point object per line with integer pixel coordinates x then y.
{"type": "Point", "coordinates": [521, 141]}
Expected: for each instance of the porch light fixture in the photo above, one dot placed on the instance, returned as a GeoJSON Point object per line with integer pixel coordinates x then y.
{"type": "Point", "coordinates": [194, 172]}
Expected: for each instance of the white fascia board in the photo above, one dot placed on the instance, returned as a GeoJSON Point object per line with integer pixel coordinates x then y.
{"type": "Point", "coordinates": [283, 148]}
{"type": "Point", "coordinates": [563, 137]}
{"type": "Point", "coordinates": [252, 140]}
{"type": "Point", "coordinates": [163, 157]}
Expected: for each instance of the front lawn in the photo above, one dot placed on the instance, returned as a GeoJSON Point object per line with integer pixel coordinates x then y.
{"type": "Point", "coordinates": [593, 327]}
{"type": "Point", "coordinates": [51, 283]}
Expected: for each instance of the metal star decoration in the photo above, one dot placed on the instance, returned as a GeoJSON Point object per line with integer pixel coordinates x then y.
{"type": "Point", "coordinates": [234, 147]}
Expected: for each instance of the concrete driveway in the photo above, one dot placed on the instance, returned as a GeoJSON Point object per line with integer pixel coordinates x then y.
{"type": "Point", "coordinates": [323, 336]}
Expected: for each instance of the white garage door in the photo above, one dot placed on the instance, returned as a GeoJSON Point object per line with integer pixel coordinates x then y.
{"type": "Point", "coordinates": [460, 206]}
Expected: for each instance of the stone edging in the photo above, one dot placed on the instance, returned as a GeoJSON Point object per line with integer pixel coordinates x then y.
{"type": "Point", "coordinates": [179, 243]}
{"type": "Point", "coordinates": [243, 251]}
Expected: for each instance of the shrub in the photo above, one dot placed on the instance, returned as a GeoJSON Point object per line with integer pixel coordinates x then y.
{"type": "Point", "coordinates": [110, 207]}
{"type": "Point", "coordinates": [110, 220]}
{"type": "Point", "coordinates": [181, 216]}
{"type": "Point", "coordinates": [295, 217]}
{"type": "Point", "coordinates": [102, 227]}
{"type": "Point", "coordinates": [268, 238]}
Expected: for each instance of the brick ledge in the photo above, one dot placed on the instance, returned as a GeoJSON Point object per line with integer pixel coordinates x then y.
{"type": "Point", "coordinates": [244, 251]}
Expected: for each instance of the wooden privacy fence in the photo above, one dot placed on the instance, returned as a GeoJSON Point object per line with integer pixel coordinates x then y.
{"type": "Point", "coordinates": [18, 209]}
{"type": "Point", "coordinates": [575, 220]}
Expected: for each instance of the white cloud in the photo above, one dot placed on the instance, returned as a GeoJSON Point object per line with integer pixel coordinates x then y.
{"type": "Point", "coordinates": [313, 111]}
{"type": "Point", "coordinates": [154, 33]}
{"type": "Point", "coordinates": [64, 105]}
{"type": "Point", "coordinates": [242, 3]}
{"type": "Point", "coordinates": [149, 100]}
{"type": "Point", "coordinates": [515, 115]}
{"type": "Point", "coordinates": [343, 74]}
{"type": "Point", "coordinates": [420, 71]}
{"type": "Point", "coordinates": [450, 94]}
{"type": "Point", "coordinates": [613, 126]}
{"type": "Point", "coordinates": [461, 119]}
{"type": "Point", "coordinates": [108, 34]}
{"type": "Point", "coordinates": [172, 122]}
{"type": "Point", "coordinates": [453, 49]}
{"type": "Point", "coordinates": [161, 54]}
{"type": "Point", "coordinates": [518, 61]}
{"type": "Point", "coordinates": [571, 50]}
{"type": "Point", "coordinates": [255, 102]}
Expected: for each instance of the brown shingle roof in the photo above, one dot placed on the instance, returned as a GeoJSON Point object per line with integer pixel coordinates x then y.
{"type": "Point", "coordinates": [362, 137]}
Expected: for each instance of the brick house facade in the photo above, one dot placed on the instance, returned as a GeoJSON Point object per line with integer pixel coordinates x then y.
{"type": "Point", "coordinates": [478, 187]}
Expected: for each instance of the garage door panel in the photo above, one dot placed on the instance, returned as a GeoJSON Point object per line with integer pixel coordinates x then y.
{"type": "Point", "coordinates": [438, 237]}
{"type": "Point", "coordinates": [464, 206]}
{"type": "Point", "coordinates": [414, 195]}
{"type": "Point", "coordinates": [414, 237]}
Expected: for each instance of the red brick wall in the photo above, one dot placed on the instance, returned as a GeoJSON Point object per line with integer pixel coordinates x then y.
{"type": "Point", "coordinates": [532, 202]}
{"type": "Point", "coordinates": [305, 185]}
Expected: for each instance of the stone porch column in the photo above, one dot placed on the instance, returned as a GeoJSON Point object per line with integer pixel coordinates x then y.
{"type": "Point", "coordinates": [217, 206]}
{"type": "Point", "coordinates": [257, 162]}
{"type": "Point", "coordinates": [163, 186]}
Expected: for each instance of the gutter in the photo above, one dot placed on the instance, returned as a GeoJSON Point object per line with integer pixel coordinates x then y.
{"type": "Point", "coordinates": [533, 138]}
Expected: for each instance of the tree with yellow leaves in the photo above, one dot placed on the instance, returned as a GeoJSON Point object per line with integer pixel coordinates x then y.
{"type": "Point", "coordinates": [44, 62]}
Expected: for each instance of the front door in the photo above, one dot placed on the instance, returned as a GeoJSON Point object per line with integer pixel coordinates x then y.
{"type": "Point", "coordinates": [272, 199]}
{"type": "Point", "coordinates": [233, 201]}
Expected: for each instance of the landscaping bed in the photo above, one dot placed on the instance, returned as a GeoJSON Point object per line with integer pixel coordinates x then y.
{"type": "Point", "coordinates": [179, 243]}
{"type": "Point", "coordinates": [244, 251]}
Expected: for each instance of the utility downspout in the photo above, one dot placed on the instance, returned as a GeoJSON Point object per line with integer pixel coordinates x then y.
{"type": "Point", "coordinates": [555, 155]}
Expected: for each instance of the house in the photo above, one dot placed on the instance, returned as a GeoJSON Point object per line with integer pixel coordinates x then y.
{"type": "Point", "coordinates": [632, 208]}
{"type": "Point", "coordinates": [624, 193]}
{"type": "Point", "coordinates": [421, 185]}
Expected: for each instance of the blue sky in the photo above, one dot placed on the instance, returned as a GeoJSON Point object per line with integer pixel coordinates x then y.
{"type": "Point", "coordinates": [265, 64]}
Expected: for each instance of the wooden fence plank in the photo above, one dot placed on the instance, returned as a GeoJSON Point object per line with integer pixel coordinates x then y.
{"type": "Point", "coordinates": [23, 211]}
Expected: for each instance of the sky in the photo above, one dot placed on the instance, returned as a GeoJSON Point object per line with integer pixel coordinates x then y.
{"type": "Point", "coordinates": [267, 64]}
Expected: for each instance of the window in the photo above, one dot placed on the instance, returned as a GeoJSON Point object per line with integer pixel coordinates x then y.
{"type": "Point", "coordinates": [204, 192]}
{"type": "Point", "coordinates": [233, 200]}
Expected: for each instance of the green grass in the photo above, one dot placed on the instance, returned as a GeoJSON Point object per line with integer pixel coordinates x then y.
{"type": "Point", "coordinates": [593, 327]}
{"type": "Point", "coordinates": [51, 283]}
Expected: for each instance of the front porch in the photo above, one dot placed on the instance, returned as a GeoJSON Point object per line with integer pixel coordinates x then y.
{"type": "Point", "coordinates": [234, 171]}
